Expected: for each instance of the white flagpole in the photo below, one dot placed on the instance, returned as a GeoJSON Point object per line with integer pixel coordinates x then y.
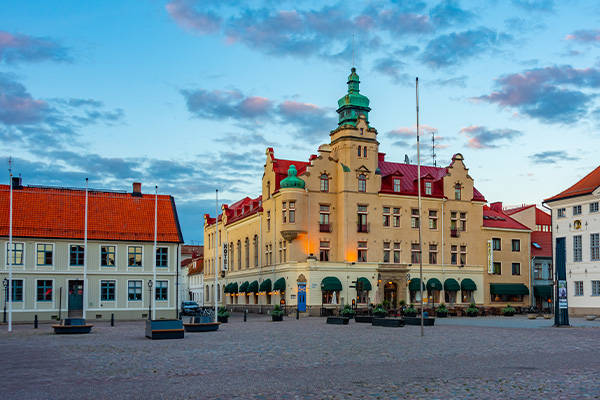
{"type": "Point", "coordinates": [420, 216]}
{"type": "Point", "coordinates": [85, 253]}
{"type": "Point", "coordinates": [10, 249]}
{"type": "Point", "coordinates": [154, 265]}
{"type": "Point", "coordinates": [216, 264]}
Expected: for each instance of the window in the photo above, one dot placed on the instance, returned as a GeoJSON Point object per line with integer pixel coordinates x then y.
{"type": "Point", "coordinates": [578, 288]}
{"type": "Point", "coordinates": [231, 252]}
{"type": "Point", "coordinates": [538, 271]}
{"type": "Point", "coordinates": [255, 243]}
{"type": "Point", "coordinates": [17, 253]}
{"type": "Point", "coordinates": [76, 255]}
{"type": "Point", "coordinates": [283, 212]}
{"type": "Point", "coordinates": [324, 183]}
{"type": "Point", "coordinates": [107, 256]}
{"type": "Point", "coordinates": [561, 212]}
{"type": "Point", "coordinates": [292, 212]}
{"type": "Point", "coordinates": [44, 254]}
{"type": "Point", "coordinates": [496, 244]}
{"type": "Point", "coordinates": [497, 268]}
{"type": "Point", "coordinates": [107, 290]}
{"type": "Point", "coordinates": [397, 252]}
{"type": "Point", "coordinates": [386, 252]}
{"type": "Point", "coordinates": [361, 131]}
{"type": "Point", "coordinates": [268, 221]}
{"type": "Point", "coordinates": [593, 207]}
{"type": "Point", "coordinates": [463, 255]}
{"type": "Point", "coordinates": [44, 290]}
{"type": "Point", "coordinates": [134, 256]}
{"type": "Point", "coordinates": [327, 296]}
{"type": "Point", "coordinates": [362, 251]}
{"type": "Point", "coordinates": [457, 190]}
{"type": "Point", "coordinates": [362, 219]}
{"type": "Point", "coordinates": [161, 290]}
{"type": "Point", "coordinates": [386, 216]}
{"type": "Point", "coordinates": [454, 254]}
{"type": "Point", "coordinates": [577, 248]}
{"type": "Point", "coordinates": [324, 211]}
{"type": "Point", "coordinates": [428, 188]}
{"type": "Point", "coordinates": [271, 253]}
{"type": "Point", "coordinates": [17, 291]}
{"type": "Point", "coordinates": [396, 217]}
{"type": "Point", "coordinates": [247, 251]}
{"type": "Point", "coordinates": [239, 254]}
{"type": "Point", "coordinates": [134, 290]}
{"type": "Point", "coordinates": [364, 151]}
{"type": "Point", "coordinates": [595, 288]}
{"type": "Point", "coordinates": [362, 183]}
{"type": "Point", "coordinates": [595, 247]}
{"type": "Point", "coordinates": [324, 250]}
{"type": "Point", "coordinates": [414, 218]}
{"type": "Point", "coordinates": [396, 185]}
{"type": "Point", "coordinates": [577, 210]}
{"type": "Point", "coordinates": [162, 256]}
{"type": "Point", "coordinates": [268, 191]}
{"type": "Point", "coordinates": [415, 253]}
{"type": "Point", "coordinates": [433, 219]}
{"type": "Point", "coordinates": [516, 268]}
{"type": "Point", "coordinates": [433, 254]}
{"type": "Point", "coordinates": [359, 152]}
{"type": "Point", "coordinates": [516, 245]}
{"type": "Point", "coordinates": [282, 251]}
{"type": "Point", "coordinates": [463, 221]}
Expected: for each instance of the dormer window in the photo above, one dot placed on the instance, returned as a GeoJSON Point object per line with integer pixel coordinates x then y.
{"type": "Point", "coordinates": [324, 183]}
{"type": "Point", "coordinates": [428, 188]}
{"type": "Point", "coordinates": [457, 192]}
{"type": "Point", "coordinates": [397, 185]}
{"type": "Point", "coordinates": [362, 183]}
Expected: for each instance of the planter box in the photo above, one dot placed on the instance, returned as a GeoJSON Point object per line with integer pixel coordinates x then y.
{"type": "Point", "coordinates": [380, 315]}
{"type": "Point", "coordinates": [350, 316]}
{"type": "Point", "coordinates": [417, 321]}
{"type": "Point", "coordinates": [547, 316]}
{"type": "Point", "coordinates": [532, 316]}
{"type": "Point", "coordinates": [364, 319]}
{"type": "Point", "coordinates": [277, 317]}
{"type": "Point", "coordinates": [222, 320]}
{"type": "Point", "coordinates": [508, 314]}
{"type": "Point", "coordinates": [204, 327]}
{"type": "Point", "coordinates": [72, 326]}
{"type": "Point", "coordinates": [164, 329]}
{"type": "Point", "coordinates": [441, 314]}
{"type": "Point", "coordinates": [471, 314]}
{"type": "Point", "coordinates": [338, 320]}
{"type": "Point", "coordinates": [389, 322]}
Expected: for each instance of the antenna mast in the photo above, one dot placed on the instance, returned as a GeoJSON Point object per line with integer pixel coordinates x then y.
{"type": "Point", "coordinates": [433, 148]}
{"type": "Point", "coordinates": [352, 51]}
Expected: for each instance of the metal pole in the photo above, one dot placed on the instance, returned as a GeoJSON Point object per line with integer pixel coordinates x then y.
{"type": "Point", "coordinates": [153, 298]}
{"type": "Point", "coordinates": [216, 263]}
{"type": "Point", "coordinates": [419, 200]}
{"type": "Point", "coordinates": [85, 252]}
{"type": "Point", "coordinates": [59, 302]}
{"type": "Point", "coordinates": [10, 248]}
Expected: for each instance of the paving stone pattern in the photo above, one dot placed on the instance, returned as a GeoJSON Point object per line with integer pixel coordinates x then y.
{"type": "Point", "coordinates": [459, 358]}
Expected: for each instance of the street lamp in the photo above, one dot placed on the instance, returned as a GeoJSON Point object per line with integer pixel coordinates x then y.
{"type": "Point", "coordinates": [150, 299]}
{"type": "Point", "coordinates": [5, 283]}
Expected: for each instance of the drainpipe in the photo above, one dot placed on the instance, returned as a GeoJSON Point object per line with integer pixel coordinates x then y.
{"type": "Point", "coordinates": [531, 298]}
{"type": "Point", "coordinates": [442, 249]}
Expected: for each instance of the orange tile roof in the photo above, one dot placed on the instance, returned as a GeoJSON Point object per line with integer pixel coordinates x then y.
{"type": "Point", "coordinates": [587, 185]}
{"type": "Point", "coordinates": [58, 213]}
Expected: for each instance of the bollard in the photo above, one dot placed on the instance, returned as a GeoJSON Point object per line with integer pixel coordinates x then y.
{"type": "Point", "coordinates": [245, 314]}
{"type": "Point", "coordinates": [297, 314]}
{"type": "Point", "coordinates": [35, 322]}
{"type": "Point", "coordinates": [112, 319]}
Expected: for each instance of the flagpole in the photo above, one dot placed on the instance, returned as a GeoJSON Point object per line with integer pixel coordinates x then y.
{"type": "Point", "coordinates": [153, 316]}
{"type": "Point", "coordinates": [419, 200]}
{"type": "Point", "coordinates": [10, 248]}
{"type": "Point", "coordinates": [216, 263]}
{"type": "Point", "coordinates": [85, 253]}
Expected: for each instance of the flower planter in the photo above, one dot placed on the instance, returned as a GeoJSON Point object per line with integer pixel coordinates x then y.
{"type": "Point", "coordinates": [350, 316]}
{"type": "Point", "coordinates": [471, 313]}
{"type": "Point", "coordinates": [410, 315]}
{"type": "Point", "coordinates": [379, 315]}
{"type": "Point", "coordinates": [364, 319]}
{"type": "Point", "coordinates": [508, 314]}
{"type": "Point", "coordinates": [277, 317]}
{"type": "Point", "coordinates": [547, 316]}
{"type": "Point", "coordinates": [441, 314]}
{"type": "Point", "coordinates": [222, 320]}
{"type": "Point", "coordinates": [532, 316]}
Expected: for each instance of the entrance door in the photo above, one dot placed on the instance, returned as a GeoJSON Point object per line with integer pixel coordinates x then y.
{"type": "Point", "coordinates": [302, 297]}
{"type": "Point", "coordinates": [389, 293]}
{"type": "Point", "coordinates": [75, 299]}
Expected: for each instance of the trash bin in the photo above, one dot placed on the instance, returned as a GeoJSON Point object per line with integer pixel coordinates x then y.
{"type": "Point", "coordinates": [425, 314]}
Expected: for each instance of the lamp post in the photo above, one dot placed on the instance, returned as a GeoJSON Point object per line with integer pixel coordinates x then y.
{"type": "Point", "coordinates": [150, 299]}
{"type": "Point", "coordinates": [5, 283]}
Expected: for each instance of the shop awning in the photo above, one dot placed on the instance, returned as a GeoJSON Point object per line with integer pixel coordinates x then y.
{"type": "Point", "coordinates": [434, 284]}
{"type": "Point", "coordinates": [544, 291]}
{"type": "Point", "coordinates": [451, 285]}
{"type": "Point", "coordinates": [252, 287]}
{"type": "Point", "coordinates": [366, 283]}
{"type": "Point", "coordinates": [244, 287]}
{"type": "Point", "coordinates": [226, 290]}
{"type": "Point", "coordinates": [279, 284]}
{"type": "Point", "coordinates": [513, 289]}
{"type": "Point", "coordinates": [233, 288]}
{"type": "Point", "coordinates": [331, 283]}
{"type": "Point", "coordinates": [265, 286]}
{"type": "Point", "coordinates": [468, 284]}
{"type": "Point", "coordinates": [413, 285]}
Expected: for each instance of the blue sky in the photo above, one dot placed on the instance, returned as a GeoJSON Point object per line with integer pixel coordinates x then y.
{"type": "Point", "coordinates": [187, 95]}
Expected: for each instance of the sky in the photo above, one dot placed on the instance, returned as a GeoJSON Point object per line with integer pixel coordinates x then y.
{"type": "Point", "coordinates": [187, 95]}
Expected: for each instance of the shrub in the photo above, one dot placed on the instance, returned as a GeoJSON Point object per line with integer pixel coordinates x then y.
{"type": "Point", "coordinates": [347, 310]}
{"type": "Point", "coordinates": [223, 312]}
{"type": "Point", "coordinates": [277, 311]}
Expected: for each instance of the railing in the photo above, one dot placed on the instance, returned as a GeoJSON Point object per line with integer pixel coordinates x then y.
{"type": "Point", "coordinates": [325, 227]}
{"type": "Point", "coordinates": [453, 232]}
{"type": "Point", "coordinates": [365, 228]}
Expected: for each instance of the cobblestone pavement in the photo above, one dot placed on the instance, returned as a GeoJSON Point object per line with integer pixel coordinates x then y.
{"type": "Point", "coordinates": [459, 358]}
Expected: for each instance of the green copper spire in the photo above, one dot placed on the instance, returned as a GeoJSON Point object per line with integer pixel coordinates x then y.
{"type": "Point", "coordinates": [292, 181]}
{"type": "Point", "coordinates": [353, 104]}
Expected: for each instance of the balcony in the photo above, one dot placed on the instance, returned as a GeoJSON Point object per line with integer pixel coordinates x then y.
{"type": "Point", "coordinates": [364, 228]}
{"type": "Point", "coordinates": [325, 227]}
{"type": "Point", "coordinates": [454, 232]}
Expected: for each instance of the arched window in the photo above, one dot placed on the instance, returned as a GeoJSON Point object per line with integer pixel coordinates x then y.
{"type": "Point", "coordinates": [255, 250]}
{"type": "Point", "coordinates": [324, 183]}
{"type": "Point", "coordinates": [359, 153]}
{"type": "Point", "coordinates": [457, 194]}
{"type": "Point", "coordinates": [362, 183]}
{"type": "Point", "coordinates": [247, 253]}
{"type": "Point", "coordinates": [239, 254]}
{"type": "Point", "coordinates": [365, 151]}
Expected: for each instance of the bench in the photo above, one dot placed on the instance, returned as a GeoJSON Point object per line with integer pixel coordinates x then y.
{"type": "Point", "coordinates": [338, 320]}
{"type": "Point", "coordinates": [201, 324]}
{"type": "Point", "coordinates": [164, 329]}
{"type": "Point", "coordinates": [389, 322]}
{"type": "Point", "coordinates": [72, 326]}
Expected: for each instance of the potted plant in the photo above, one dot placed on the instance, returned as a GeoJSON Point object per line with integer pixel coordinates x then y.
{"type": "Point", "coordinates": [508, 311]}
{"type": "Point", "coordinates": [472, 310]}
{"type": "Point", "coordinates": [386, 304]}
{"type": "Point", "coordinates": [347, 311]}
{"type": "Point", "coordinates": [410, 311]}
{"type": "Point", "coordinates": [277, 313]}
{"type": "Point", "coordinates": [222, 315]}
{"type": "Point", "coordinates": [379, 311]}
{"type": "Point", "coordinates": [441, 311]}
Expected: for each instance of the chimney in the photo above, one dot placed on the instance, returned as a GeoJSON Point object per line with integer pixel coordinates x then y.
{"type": "Point", "coordinates": [17, 183]}
{"type": "Point", "coordinates": [137, 189]}
{"type": "Point", "coordinates": [497, 206]}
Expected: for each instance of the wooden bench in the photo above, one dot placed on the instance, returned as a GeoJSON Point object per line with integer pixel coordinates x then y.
{"type": "Point", "coordinates": [72, 326]}
{"type": "Point", "coordinates": [164, 329]}
{"type": "Point", "coordinates": [389, 322]}
{"type": "Point", "coordinates": [201, 324]}
{"type": "Point", "coordinates": [338, 320]}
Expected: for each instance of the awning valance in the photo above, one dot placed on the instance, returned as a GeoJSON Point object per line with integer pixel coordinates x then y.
{"type": "Point", "coordinates": [434, 284]}
{"type": "Point", "coordinates": [413, 285]}
{"type": "Point", "coordinates": [544, 291]}
{"type": "Point", "coordinates": [252, 287]}
{"type": "Point", "coordinates": [226, 290]}
{"type": "Point", "coordinates": [279, 284]}
{"type": "Point", "coordinates": [366, 283]}
{"type": "Point", "coordinates": [468, 284]}
{"type": "Point", "coordinates": [451, 285]}
{"type": "Point", "coordinates": [513, 289]}
{"type": "Point", "coordinates": [244, 287]}
{"type": "Point", "coordinates": [265, 286]}
{"type": "Point", "coordinates": [233, 288]}
{"type": "Point", "coordinates": [331, 283]}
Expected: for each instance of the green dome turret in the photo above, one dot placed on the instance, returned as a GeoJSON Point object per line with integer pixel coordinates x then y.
{"type": "Point", "coordinates": [292, 181]}
{"type": "Point", "coordinates": [353, 104]}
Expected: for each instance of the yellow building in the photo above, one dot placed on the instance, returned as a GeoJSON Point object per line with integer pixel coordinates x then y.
{"type": "Point", "coordinates": [347, 215]}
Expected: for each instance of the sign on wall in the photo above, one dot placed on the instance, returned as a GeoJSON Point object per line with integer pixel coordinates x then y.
{"type": "Point", "coordinates": [562, 295]}
{"type": "Point", "coordinates": [225, 265]}
{"type": "Point", "coordinates": [490, 257]}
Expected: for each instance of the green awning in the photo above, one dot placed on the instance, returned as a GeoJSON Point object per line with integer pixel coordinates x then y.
{"type": "Point", "coordinates": [253, 287]}
{"type": "Point", "coordinates": [513, 289]}
{"type": "Point", "coordinates": [468, 284]}
{"type": "Point", "coordinates": [366, 283]}
{"type": "Point", "coordinates": [544, 291]}
{"type": "Point", "coordinates": [244, 287]}
{"type": "Point", "coordinates": [265, 286]}
{"type": "Point", "coordinates": [279, 284]}
{"type": "Point", "coordinates": [233, 288]}
{"type": "Point", "coordinates": [434, 284]}
{"type": "Point", "coordinates": [331, 283]}
{"type": "Point", "coordinates": [413, 285]}
{"type": "Point", "coordinates": [226, 290]}
{"type": "Point", "coordinates": [451, 285]}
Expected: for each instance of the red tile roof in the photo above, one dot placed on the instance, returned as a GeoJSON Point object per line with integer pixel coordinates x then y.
{"type": "Point", "coordinates": [197, 266]}
{"type": "Point", "coordinates": [281, 168]}
{"type": "Point", "coordinates": [497, 219]}
{"type": "Point", "coordinates": [544, 240]}
{"type": "Point", "coordinates": [587, 185]}
{"type": "Point", "coordinates": [59, 213]}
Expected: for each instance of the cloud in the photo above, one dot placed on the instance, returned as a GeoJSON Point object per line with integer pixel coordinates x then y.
{"type": "Point", "coordinates": [482, 138]}
{"type": "Point", "coordinates": [448, 13]}
{"type": "Point", "coordinates": [192, 19]}
{"type": "Point", "coordinates": [17, 48]}
{"type": "Point", "coordinates": [549, 94]}
{"type": "Point", "coordinates": [546, 6]}
{"type": "Point", "coordinates": [551, 157]}
{"type": "Point", "coordinates": [313, 122]}
{"type": "Point", "coordinates": [243, 139]}
{"type": "Point", "coordinates": [225, 104]}
{"type": "Point", "coordinates": [585, 36]}
{"type": "Point", "coordinates": [17, 106]}
{"type": "Point", "coordinates": [392, 67]}
{"type": "Point", "coordinates": [458, 81]}
{"type": "Point", "coordinates": [407, 136]}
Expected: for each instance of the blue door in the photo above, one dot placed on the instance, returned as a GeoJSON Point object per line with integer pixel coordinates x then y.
{"type": "Point", "coordinates": [302, 297]}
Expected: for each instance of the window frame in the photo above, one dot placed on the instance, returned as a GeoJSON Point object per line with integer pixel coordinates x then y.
{"type": "Point", "coordinates": [396, 217]}
{"type": "Point", "coordinates": [387, 250]}
{"type": "Point", "coordinates": [561, 212]}
{"type": "Point", "coordinates": [15, 252]}
{"type": "Point", "coordinates": [577, 210]}
{"type": "Point", "coordinates": [415, 254]}
{"type": "Point", "coordinates": [134, 287]}
{"type": "Point", "coordinates": [594, 246]}
{"type": "Point", "coordinates": [594, 207]}
{"type": "Point", "coordinates": [107, 253]}
{"type": "Point", "coordinates": [164, 257]}
{"type": "Point", "coordinates": [595, 287]}
{"type": "Point", "coordinates": [37, 254]}
{"type": "Point", "coordinates": [129, 253]}
{"type": "Point", "coordinates": [516, 268]}
{"type": "Point", "coordinates": [106, 289]}
{"type": "Point", "coordinates": [324, 183]}
{"type": "Point", "coordinates": [497, 268]}
{"type": "Point", "coordinates": [362, 249]}
{"type": "Point", "coordinates": [161, 292]}
{"type": "Point", "coordinates": [428, 188]}
{"type": "Point", "coordinates": [77, 254]}
{"type": "Point", "coordinates": [516, 245]}
{"type": "Point", "coordinates": [433, 220]}
{"type": "Point", "coordinates": [577, 248]}
{"type": "Point", "coordinates": [397, 185]}
{"type": "Point", "coordinates": [387, 216]}
{"type": "Point", "coordinates": [44, 288]}
{"type": "Point", "coordinates": [292, 212]}
{"type": "Point", "coordinates": [415, 218]}
{"type": "Point", "coordinates": [578, 288]}
{"type": "Point", "coordinates": [17, 291]}
{"type": "Point", "coordinates": [362, 183]}
{"type": "Point", "coordinates": [324, 250]}
{"type": "Point", "coordinates": [498, 242]}
{"type": "Point", "coordinates": [433, 253]}
{"type": "Point", "coordinates": [458, 191]}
